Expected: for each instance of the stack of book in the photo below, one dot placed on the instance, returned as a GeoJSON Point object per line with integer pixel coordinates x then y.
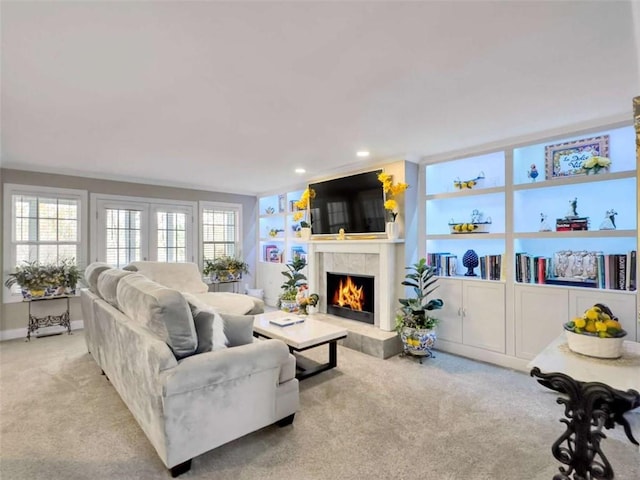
{"type": "Point", "coordinates": [491, 267]}
{"type": "Point", "coordinates": [569, 224]}
{"type": "Point", "coordinates": [445, 263]}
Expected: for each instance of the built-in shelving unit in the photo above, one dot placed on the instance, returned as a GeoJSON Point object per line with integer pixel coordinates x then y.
{"type": "Point", "coordinates": [520, 206]}
{"type": "Point", "coordinates": [279, 240]}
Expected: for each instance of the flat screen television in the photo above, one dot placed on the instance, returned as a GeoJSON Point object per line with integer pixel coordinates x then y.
{"type": "Point", "coordinates": [355, 203]}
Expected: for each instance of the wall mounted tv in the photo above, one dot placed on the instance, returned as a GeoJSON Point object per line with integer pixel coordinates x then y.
{"type": "Point", "coordinates": [355, 203]}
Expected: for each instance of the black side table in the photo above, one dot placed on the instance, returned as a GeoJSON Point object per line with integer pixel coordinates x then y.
{"type": "Point", "coordinates": [36, 322]}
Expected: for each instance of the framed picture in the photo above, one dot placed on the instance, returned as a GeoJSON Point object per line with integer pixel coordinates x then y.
{"type": "Point", "coordinates": [568, 159]}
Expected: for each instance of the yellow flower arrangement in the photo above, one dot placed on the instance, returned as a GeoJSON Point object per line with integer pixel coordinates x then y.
{"type": "Point", "coordinates": [391, 190]}
{"type": "Point", "coordinates": [596, 163]}
{"type": "Point", "coordinates": [303, 207]}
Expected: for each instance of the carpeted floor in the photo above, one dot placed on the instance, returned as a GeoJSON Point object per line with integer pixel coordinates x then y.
{"type": "Point", "coordinates": [449, 418]}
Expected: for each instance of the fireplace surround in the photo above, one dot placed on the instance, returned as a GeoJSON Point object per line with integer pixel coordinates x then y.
{"type": "Point", "coordinates": [374, 257]}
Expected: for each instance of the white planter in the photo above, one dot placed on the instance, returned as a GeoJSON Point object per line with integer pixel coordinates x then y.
{"type": "Point", "coordinates": [392, 230]}
{"type": "Point", "coordinates": [594, 346]}
{"type": "Point", "coordinates": [305, 233]}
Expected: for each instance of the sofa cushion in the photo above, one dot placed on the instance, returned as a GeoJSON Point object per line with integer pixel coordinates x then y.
{"type": "Point", "coordinates": [238, 329]}
{"type": "Point", "coordinates": [226, 302]}
{"type": "Point", "coordinates": [92, 272]}
{"type": "Point", "coordinates": [209, 330]}
{"type": "Point", "coordinates": [108, 284]}
{"type": "Point", "coordinates": [184, 277]}
{"type": "Point", "coordinates": [162, 310]}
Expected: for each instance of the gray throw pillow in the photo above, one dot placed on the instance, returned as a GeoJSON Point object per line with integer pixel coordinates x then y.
{"type": "Point", "coordinates": [209, 330]}
{"type": "Point", "coordinates": [238, 329]}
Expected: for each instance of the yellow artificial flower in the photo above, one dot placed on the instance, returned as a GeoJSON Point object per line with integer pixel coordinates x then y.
{"type": "Point", "coordinates": [603, 161]}
{"type": "Point", "coordinates": [390, 204]}
{"type": "Point", "coordinates": [298, 216]}
{"type": "Point", "coordinates": [398, 188]}
{"type": "Point", "coordinates": [591, 162]}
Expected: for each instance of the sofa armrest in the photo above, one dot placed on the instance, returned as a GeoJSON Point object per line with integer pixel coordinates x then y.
{"type": "Point", "coordinates": [211, 368]}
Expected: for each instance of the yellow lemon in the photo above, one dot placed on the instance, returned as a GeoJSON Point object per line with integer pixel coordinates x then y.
{"type": "Point", "coordinates": [592, 314]}
{"type": "Point", "coordinates": [613, 324]}
{"type": "Point", "coordinates": [580, 322]}
{"type": "Point", "coordinates": [590, 326]}
{"type": "Point", "coordinates": [601, 327]}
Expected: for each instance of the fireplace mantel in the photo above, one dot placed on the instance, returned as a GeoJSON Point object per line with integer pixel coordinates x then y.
{"type": "Point", "coordinates": [384, 252]}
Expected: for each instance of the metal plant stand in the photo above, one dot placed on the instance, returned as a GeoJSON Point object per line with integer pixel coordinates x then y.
{"type": "Point", "coordinates": [37, 322]}
{"type": "Point", "coordinates": [588, 407]}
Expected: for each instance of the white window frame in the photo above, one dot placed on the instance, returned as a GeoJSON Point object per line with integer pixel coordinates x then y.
{"type": "Point", "coordinates": [9, 254]}
{"type": "Point", "coordinates": [149, 206]}
{"type": "Point", "coordinates": [207, 205]}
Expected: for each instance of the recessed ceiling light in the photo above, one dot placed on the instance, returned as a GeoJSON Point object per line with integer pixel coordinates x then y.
{"type": "Point", "coordinates": [363, 154]}
{"type": "Point", "coordinates": [300, 170]}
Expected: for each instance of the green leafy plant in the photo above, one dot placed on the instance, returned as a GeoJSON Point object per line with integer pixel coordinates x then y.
{"type": "Point", "coordinates": [34, 275]}
{"type": "Point", "coordinates": [415, 312]}
{"type": "Point", "coordinates": [225, 264]}
{"type": "Point", "coordinates": [294, 279]}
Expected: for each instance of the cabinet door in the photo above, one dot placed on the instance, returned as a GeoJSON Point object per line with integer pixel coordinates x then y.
{"type": "Point", "coordinates": [483, 315]}
{"type": "Point", "coordinates": [541, 312]}
{"type": "Point", "coordinates": [270, 279]}
{"type": "Point", "coordinates": [450, 327]}
{"type": "Point", "coordinates": [623, 305]}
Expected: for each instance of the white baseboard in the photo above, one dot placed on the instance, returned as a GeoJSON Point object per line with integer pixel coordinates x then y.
{"type": "Point", "coordinates": [482, 355]}
{"type": "Point", "coordinates": [22, 332]}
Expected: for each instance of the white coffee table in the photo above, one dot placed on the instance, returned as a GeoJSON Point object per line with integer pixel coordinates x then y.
{"type": "Point", "coordinates": [301, 336]}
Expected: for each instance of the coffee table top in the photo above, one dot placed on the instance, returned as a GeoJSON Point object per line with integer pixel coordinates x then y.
{"type": "Point", "coordinates": [302, 335]}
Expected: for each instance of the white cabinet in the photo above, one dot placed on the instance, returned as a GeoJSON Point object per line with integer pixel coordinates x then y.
{"type": "Point", "coordinates": [543, 310]}
{"type": "Point", "coordinates": [473, 313]}
{"type": "Point", "coordinates": [540, 313]}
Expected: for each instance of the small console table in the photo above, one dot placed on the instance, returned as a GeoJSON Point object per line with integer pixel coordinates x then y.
{"type": "Point", "coordinates": [596, 393]}
{"type": "Point", "coordinates": [36, 322]}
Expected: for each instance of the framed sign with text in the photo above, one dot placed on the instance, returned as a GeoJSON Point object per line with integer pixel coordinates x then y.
{"type": "Point", "coordinates": [568, 159]}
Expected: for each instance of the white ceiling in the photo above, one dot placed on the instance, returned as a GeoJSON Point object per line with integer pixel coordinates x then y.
{"type": "Point", "coordinates": [231, 96]}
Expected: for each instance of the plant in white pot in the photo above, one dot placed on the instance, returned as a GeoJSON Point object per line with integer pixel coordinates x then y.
{"type": "Point", "coordinates": [414, 322]}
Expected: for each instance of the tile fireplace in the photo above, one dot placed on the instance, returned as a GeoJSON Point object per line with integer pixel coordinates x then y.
{"type": "Point", "coordinates": [374, 259]}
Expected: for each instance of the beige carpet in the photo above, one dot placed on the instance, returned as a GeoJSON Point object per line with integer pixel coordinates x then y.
{"type": "Point", "coordinates": [450, 418]}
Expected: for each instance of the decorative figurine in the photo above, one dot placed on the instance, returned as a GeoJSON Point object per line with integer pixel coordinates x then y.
{"type": "Point", "coordinates": [609, 222]}
{"type": "Point", "coordinates": [544, 226]}
{"type": "Point", "coordinates": [341, 234]}
{"type": "Point", "coordinates": [470, 260]}
{"type": "Point", "coordinates": [533, 173]}
{"type": "Point", "coordinates": [573, 208]}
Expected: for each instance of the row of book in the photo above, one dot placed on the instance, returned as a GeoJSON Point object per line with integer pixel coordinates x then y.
{"type": "Point", "coordinates": [608, 271]}
{"type": "Point", "coordinates": [446, 265]}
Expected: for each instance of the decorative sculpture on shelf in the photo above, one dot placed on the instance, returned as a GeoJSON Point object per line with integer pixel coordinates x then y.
{"type": "Point", "coordinates": [609, 222]}
{"type": "Point", "coordinates": [544, 226]}
{"type": "Point", "coordinates": [470, 260]}
{"type": "Point", "coordinates": [533, 172]}
{"type": "Point", "coordinates": [341, 235]}
{"type": "Point", "coordinates": [573, 208]}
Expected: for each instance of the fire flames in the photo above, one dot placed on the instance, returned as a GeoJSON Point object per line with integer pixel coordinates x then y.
{"type": "Point", "coordinates": [348, 294]}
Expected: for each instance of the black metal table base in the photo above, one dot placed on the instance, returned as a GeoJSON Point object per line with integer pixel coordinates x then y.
{"type": "Point", "coordinates": [303, 372]}
{"type": "Point", "coordinates": [588, 407]}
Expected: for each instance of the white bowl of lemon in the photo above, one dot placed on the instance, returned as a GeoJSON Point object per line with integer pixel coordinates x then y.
{"type": "Point", "coordinates": [597, 333]}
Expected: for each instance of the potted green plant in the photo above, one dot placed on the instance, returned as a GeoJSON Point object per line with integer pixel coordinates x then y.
{"type": "Point", "coordinates": [414, 322]}
{"type": "Point", "coordinates": [225, 269]}
{"type": "Point", "coordinates": [295, 279]}
{"type": "Point", "coordinates": [38, 280]}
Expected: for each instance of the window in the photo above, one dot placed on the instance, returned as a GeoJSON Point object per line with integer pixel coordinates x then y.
{"type": "Point", "coordinates": [130, 229]}
{"type": "Point", "coordinates": [220, 223]}
{"type": "Point", "coordinates": [46, 225]}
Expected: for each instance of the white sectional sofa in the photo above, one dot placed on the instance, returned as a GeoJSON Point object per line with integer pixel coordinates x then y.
{"type": "Point", "coordinates": [193, 379]}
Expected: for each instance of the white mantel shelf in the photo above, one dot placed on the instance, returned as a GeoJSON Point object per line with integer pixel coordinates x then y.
{"type": "Point", "coordinates": [354, 241]}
